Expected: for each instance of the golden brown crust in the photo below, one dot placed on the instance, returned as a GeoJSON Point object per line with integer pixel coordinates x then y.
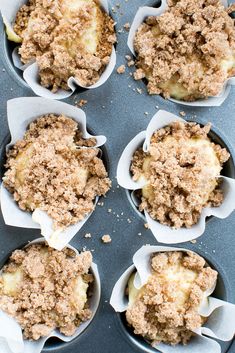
{"type": "Point", "coordinates": [185, 47]}
{"type": "Point", "coordinates": [44, 299]}
{"type": "Point", "coordinates": [54, 41]}
{"type": "Point", "coordinates": [47, 169]}
{"type": "Point", "coordinates": [180, 174]}
{"type": "Point", "coordinates": [156, 314]}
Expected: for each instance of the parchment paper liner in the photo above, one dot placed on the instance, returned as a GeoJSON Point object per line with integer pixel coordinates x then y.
{"type": "Point", "coordinates": [139, 18]}
{"type": "Point", "coordinates": [8, 11]}
{"type": "Point", "coordinates": [11, 339]}
{"type": "Point", "coordinates": [221, 324]}
{"type": "Point", "coordinates": [163, 233]}
{"type": "Point", "coordinates": [21, 112]}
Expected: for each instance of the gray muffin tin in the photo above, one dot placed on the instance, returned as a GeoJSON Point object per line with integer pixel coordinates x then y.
{"type": "Point", "coordinates": [118, 111]}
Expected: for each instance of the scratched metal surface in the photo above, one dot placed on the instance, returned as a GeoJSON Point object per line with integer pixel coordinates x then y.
{"type": "Point", "coordinates": [119, 112]}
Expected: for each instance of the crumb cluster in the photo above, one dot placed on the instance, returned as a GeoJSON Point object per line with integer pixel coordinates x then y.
{"type": "Point", "coordinates": [67, 38]}
{"type": "Point", "coordinates": [166, 308]}
{"type": "Point", "coordinates": [54, 169]}
{"type": "Point", "coordinates": [188, 52]}
{"type": "Point", "coordinates": [180, 170]}
{"type": "Point", "coordinates": [44, 289]}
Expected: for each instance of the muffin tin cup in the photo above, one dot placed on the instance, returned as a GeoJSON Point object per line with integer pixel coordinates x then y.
{"type": "Point", "coordinates": [11, 331]}
{"type": "Point", "coordinates": [164, 233]}
{"type": "Point", "coordinates": [21, 112]}
{"type": "Point", "coordinates": [221, 320]}
{"type": "Point", "coordinates": [30, 70]}
{"type": "Point", "coordinates": [141, 15]}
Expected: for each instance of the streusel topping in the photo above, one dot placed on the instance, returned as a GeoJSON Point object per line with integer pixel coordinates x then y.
{"type": "Point", "coordinates": [181, 172]}
{"type": "Point", "coordinates": [188, 52]}
{"type": "Point", "coordinates": [166, 308]}
{"type": "Point", "coordinates": [66, 38]}
{"type": "Point", "coordinates": [54, 169]}
{"type": "Point", "coordinates": [45, 289]}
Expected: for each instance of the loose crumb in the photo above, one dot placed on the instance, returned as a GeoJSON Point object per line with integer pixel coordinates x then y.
{"type": "Point", "coordinates": [127, 26]}
{"type": "Point", "coordinates": [87, 235]}
{"type": "Point", "coordinates": [106, 238]}
{"type": "Point", "coordinates": [130, 63]}
{"type": "Point", "coordinates": [128, 57]}
{"type": "Point", "coordinates": [121, 69]}
{"type": "Point", "coordinates": [82, 102]}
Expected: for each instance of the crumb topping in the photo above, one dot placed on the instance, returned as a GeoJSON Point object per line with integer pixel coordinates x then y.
{"type": "Point", "coordinates": [56, 170]}
{"type": "Point", "coordinates": [166, 308]}
{"type": "Point", "coordinates": [188, 52]}
{"type": "Point", "coordinates": [44, 289]}
{"type": "Point", "coordinates": [67, 38]}
{"type": "Point", "coordinates": [180, 170]}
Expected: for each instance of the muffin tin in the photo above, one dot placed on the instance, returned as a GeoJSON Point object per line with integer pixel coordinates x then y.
{"type": "Point", "coordinates": [119, 112]}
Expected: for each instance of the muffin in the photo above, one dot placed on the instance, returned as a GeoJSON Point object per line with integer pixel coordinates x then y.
{"type": "Point", "coordinates": [180, 172]}
{"type": "Point", "coordinates": [166, 308]}
{"type": "Point", "coordinates": [46, 289]}
{"type": "Point", "coordinates": [55, 170]}
{"type": "Point", "coordinates": [188, 52]}
{"type": "Point", "coordinates": [71, 38]}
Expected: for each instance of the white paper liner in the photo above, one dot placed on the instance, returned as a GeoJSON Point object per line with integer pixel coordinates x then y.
{"type": "Point", "coordinates": [163, 233]}
{"type": "Point", "coordinates": [31, 75]}
{"type": "Point", "coordinates": [11, 338]}
{"type": "Point", "coordinates": [20, 113]}
{"type": "Point", "coordinates": [141, 15]}
{"type": "Point", "coordinates": [220, 324]}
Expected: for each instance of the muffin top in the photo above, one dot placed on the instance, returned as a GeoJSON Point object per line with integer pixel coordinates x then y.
{"type": "Point", "coordinates": [44, 289]}
{"type": "Point", "coordinates": [165, 309]}
{"type": "Point", "coordinates": [66, 38]}
{"type": "Point", "coordinates": [54, 169]}
{"type": "Point", "coordinates": [181, 173]}
{"type": "Point", "coordinates": [188, 52]}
